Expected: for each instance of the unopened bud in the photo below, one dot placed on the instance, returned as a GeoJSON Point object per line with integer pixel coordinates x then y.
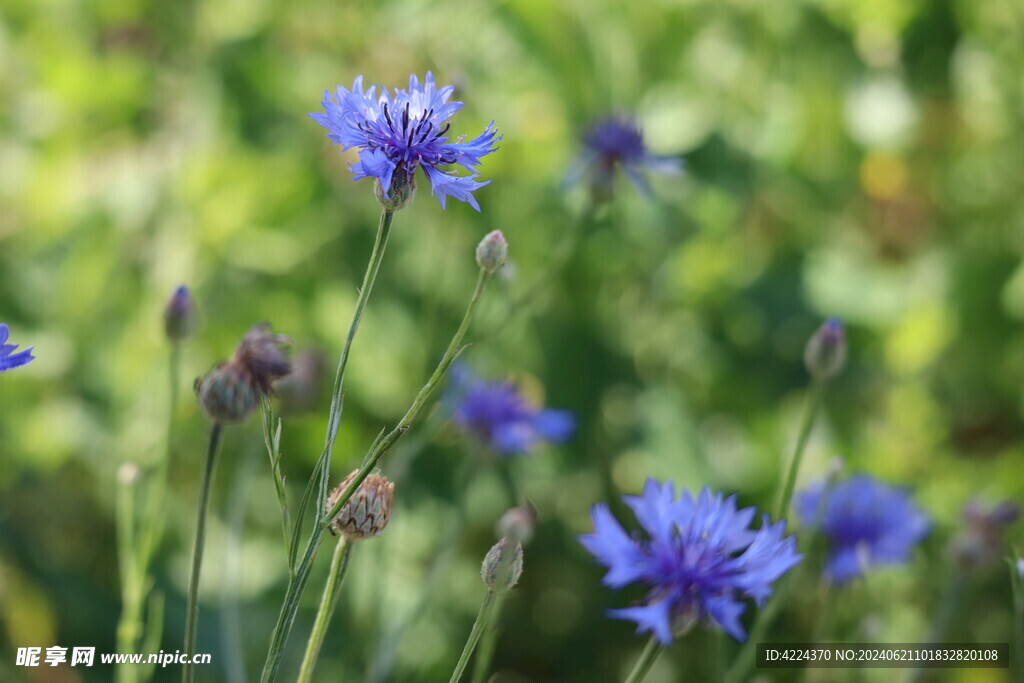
{"type": "Point", "coordinates": [226, 394]}
{"type": "Point", "coordinates": [367, 511]}
{"type": "Point", "coordinates": [502, 566]}
{"type": "Point", "coordinates": [825, 353]}
{"type": "Point", "coordinates": [401, 192]}
{"type": "Point", "coordinates": [180, 316]}
{"type": "Point", "coordinates": [517, 523]}
{"type": "Point", "coordinates": [232, 390]}
{"type": "Point", "coordinates": [492, 251]}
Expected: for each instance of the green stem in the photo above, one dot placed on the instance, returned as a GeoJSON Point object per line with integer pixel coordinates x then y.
{"type": "Point", "coordinates": [135, 559]}
{"type": "Point", "coordinates": [272, 440]}
{"type": "Point", "coordinates": [286, 618]}
{"type": "Point", "coordinates": [482, 619]}
{"type": "Point", "coordinates": [192, 612]}
{"type": "Point", "coordinates": [131, 582]}
{"type": "Point", "coordinates": [810, 410]}
{"type": "Point", "coordinates": [488, 642]}
{"type": "Point", "coordinates": [646, 661]}
{"type": "Point", "coordinates": [339, 567]}
{"type": "Point", "coordinates": [952, 600]}
{"type": "Point", "coordinates": [334, 419]}
{"type": "Point", "coordinates": [1017, 586]}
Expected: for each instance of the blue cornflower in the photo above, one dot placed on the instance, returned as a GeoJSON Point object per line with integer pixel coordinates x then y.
{"type": "Point", "coordinates": [9, 359]}
{"type": "Point", "coordinates": [397, 133]}
{"type": "Point", "coordinates": [499, 414]}
{"type": "Point", "coordinates": [700, 559]}
{"type": "Point", "coordinates": [616, 142]}
{"type": "Point", "coordinates": [866, 522]}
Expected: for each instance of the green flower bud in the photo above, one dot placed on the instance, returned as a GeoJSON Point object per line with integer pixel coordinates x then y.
{"type": "Point", "coordinates": [502, 566]}
{"type": "Point", "coordinates": [180, 316]}
{"type": "Point", "coordinates": [492, 252]}
{"type": "Point", "coordinates": [401, 192]}
{"type": "Point", "coordinates": [825, 353]}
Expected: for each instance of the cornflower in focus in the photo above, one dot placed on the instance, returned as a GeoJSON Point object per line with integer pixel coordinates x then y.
{"type": "Point", "coordinates": [616, 142]}
{"type": "Point", "coordinates": [500, 415]}
{"type": "Point", "coordinates": [865, 521]}
{"type": "Point", "coordinates": [8, 358]}
{"type": "Point", "coordinates": [397, 133]}
{"type": "Point", "coordinates": [700, 559]}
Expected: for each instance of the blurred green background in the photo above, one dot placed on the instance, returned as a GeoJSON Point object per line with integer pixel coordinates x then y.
{"type": "Point", "coordinates": [859, 158]}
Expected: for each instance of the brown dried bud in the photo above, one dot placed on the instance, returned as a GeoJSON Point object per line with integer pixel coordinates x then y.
{"type": "Point", "coordinates": [232, 390]}
{"type": "Point", "coordinates": [368, 511]}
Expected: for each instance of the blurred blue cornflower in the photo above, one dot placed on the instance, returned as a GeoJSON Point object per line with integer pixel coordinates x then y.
{"type": "Point", "coordinates": [8, 358]}
{"type": "Point", "coordinates": [396, 133]}
{"type": "Point", "coordinates": [865, 521]}
{"type": "Point", "coordinates": [700, 559]}
{"type": "Point", "coordinates": [501, 416]}
{"type": "Point", "coordinates": [616, 142]}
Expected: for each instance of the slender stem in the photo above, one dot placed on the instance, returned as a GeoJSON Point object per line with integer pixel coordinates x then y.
{"type": "Point", "coordinates": [1017, 586]}
{"type": "Point", "coordinates": [339, 567]}
{"type": "Point", "coordinates": [286, 618]}
{"type": "Point", "coordinates": [488, 642]}
{"type": "Point", "coordinates": [813, 400]}
{"type": "Point", "coordinates": [131, 581]}
{"type": "Point", "coordinates": [951, 603]}
{"type": "Point", "coordinates": [482, 619]}
{"type": "Point", "coordinates": [646, 661]}
{"type": "Point", "coordinates": [272, 440]}
{"type": "Point", "coordinates": [138, 551]}
{"type": "Point", "coordinates": [192, 613]}
{"type": "Point", "coordinates": [334, 419]}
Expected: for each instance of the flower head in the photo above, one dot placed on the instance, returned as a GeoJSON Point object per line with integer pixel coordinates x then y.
{"type": "Point", "coordinates": [367, 512]}
{"type": "Point", "coordinates": [616, 142]}
{"type": "Point", "coordinates": [230, 392]}
{"type": "Point", "coordinates": [499, 414]}
{"type": "Point", "coordinates": [8, 358]}
{"type": "Point", "coordinates": [865, 521]}
{"type": "Point", "coordinates": [397, 133]}
{"type": "Point", "coordinates": [700, 559]}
